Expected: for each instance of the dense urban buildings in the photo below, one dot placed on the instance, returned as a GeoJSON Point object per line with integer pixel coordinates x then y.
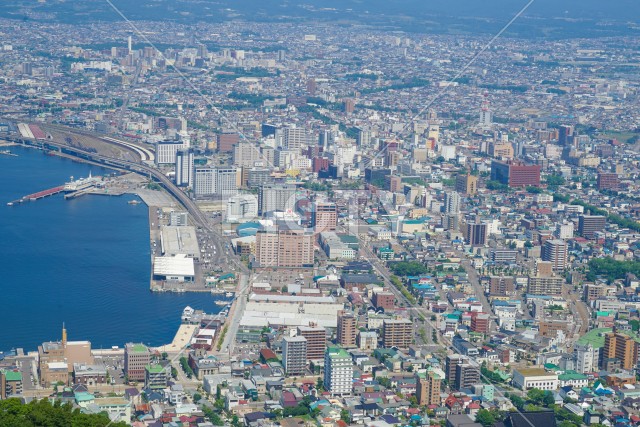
{"type": "Point", "coordinates": [394, 226]}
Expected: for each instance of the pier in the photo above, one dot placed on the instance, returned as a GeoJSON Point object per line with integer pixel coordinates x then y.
{"type": "Point", "coordinates": [38, 195]}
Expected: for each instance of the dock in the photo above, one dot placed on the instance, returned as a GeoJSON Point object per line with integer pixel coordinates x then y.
{"type": "Point", "coordinates": [38, 195]}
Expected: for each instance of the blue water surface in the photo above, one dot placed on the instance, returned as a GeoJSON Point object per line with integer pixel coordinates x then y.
{"type": "Point", "coordinates": [84, 262]}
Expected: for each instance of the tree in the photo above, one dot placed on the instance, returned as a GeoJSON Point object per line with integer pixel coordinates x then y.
{"type": "Point", "coordinates": [485, 417]}
{"type": "Point", "coordinates": [548, 399]}
{"type": "Point", "coordinates": [517, 401]}
{"type": "Point", "coordinates": [197, 397]}
{"type": "Point", "coordinates": [44, 413]}
{"type": "Point", "coordinates": [345, 416]}
{"type": "Point", "coordinates": [535, 396]}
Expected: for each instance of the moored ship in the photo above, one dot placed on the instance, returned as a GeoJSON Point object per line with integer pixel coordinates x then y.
{"type": "Point", "coordinates": [80, 184]}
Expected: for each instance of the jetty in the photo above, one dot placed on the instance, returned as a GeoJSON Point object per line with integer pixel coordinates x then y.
{"type": "Point", "coordinates": [38, 195]}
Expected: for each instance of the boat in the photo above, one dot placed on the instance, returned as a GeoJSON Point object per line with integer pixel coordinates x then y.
{"type": "Point", "coordinates": [228, 294]}
{"type": "Point", "coordinates": [133, 202]}
{"type": "Point", "coordinates": [221, 302]}
{"type": "Point", "coordinates": [217, 291]}
{"type": "Point", "coordinates": [8, 153]}
{"type": "Point", "coordinates": [10, 204]}
{"type": "Point", "coordinates": [81, 184]}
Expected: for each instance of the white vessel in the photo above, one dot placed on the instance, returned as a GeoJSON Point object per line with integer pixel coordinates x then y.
{"type": "Point", "coordinates": [228, 294]}
{"type": "Point", "coordinates": [81, 184]}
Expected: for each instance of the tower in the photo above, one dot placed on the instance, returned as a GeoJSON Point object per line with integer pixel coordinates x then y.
{"type": "Point", "coordinates": [64, 336]}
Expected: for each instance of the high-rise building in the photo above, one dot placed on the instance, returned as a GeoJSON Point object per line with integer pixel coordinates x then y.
{"type": "Point", "coordinates": [475, 234]}
{"type": "Point", "coordinates": [451, 363]}
{"type": "Point", "coordinates": [311, 87]}
{"type": "Point", "coordinates": [349, 105]}
{"type": "Point", "coordinates": [226, 141]}
{"type": "Point", "coordinates": [295, 137]}
{"type": "Point", "coordinates": [502, 286]}
{"type": "Point", "coordinates": [184, 168]}
{"type": "Point", "coordinates": [276, 197]}
{"type": "Point", "coordinates": [367, 340]}
{"type": "Point", "coordinates": [242, 206]}
{"type": "Point", "coordinates": [467, 375]}
{"type": "Point", "coordinates": [607, 181]}
{"type": "Point", "coordinates": [620, 347]}
{"type": "Point", "coordinates": [246, 154]}
{"type": "Point", "coordinates": [166, 151]}
{"type": "Point", "coordinates": [316, 341]}
{"type": "Point", "coordinates": [545, 285]}
{"type": "Point", "coordinates": [294, 355]}
{"type": "Point", "coordinates": [10, 383]}
{"type": "Point", "coordinates": [346, 332]}
{"type": "Point", "coordinates": [338, 372]}
{"type": "Point", "coordinates": [588, 225]}
{"type": "Point", "coordinates": [136, 358]}
{"type": "Point", "coordinates": [429, 386]}
{"type": "Point", "coordinates": [565, 135]}
{"type": "Point", "coordinates": [564, 230]}
{"type": "Point", "coordinates": [480, 322]}
{"type": "Point", "coordinates": [585, 356]}
{"type": "Point", "coordinates": [397, 333]}
{"type": "Point", "coordinates": [283, 247]}
{"type": "Point", "coordinates": [451, 202]}
{"type": "Point", "coordinates": [467, 184]}
{"type": "Point", "coordinates": [215, 181]}
{"type": "Point", "coordinates": [555, 251]}
{"type": "Point", "coordinates": [515, 174]}
{"type": "Point", "coordinates": [156, 376]}
{"type": "Point", "coordinates": [324, 216]}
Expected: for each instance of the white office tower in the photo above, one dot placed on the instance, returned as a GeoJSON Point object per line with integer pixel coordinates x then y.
{"type": "Point", "coordinates": [185, 138]}
{"type": "Point", "coordinates": [452, 202]}
{"type": "Point", "coordinates": [226, 181]}
{"type": "Point", "coordinates": [242, 207]}
{"type": "Point", "coordinates": [338, 371]}
{"type": "Point", "coordinates": [585, 358]}
{"type": "Point", "coordinates": [184, 168]}
{"type": "Point", "coordinates": [210, 181]}
{"type": "Point", "coordinates": [486, 118]}
{"type": "Point", "coordinates": [295, 137]}
{"type": "Point", "coordinates": [166, 151]}
{"type": "Point", "coordinates": [556, 252]}
{"type": "Point", "coordinates": [276, 197]}
{"type": "Point", "coordinates": [294, 355]}
{"type": "Point", "coordinates": [564, 230]}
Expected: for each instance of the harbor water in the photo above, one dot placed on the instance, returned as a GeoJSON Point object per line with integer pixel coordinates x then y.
{"type": "Point", "coordinates": [84, 262]}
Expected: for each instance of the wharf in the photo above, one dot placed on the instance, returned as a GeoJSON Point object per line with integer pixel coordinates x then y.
{"type": "Point", "coordinates": [38, 195]}
{"type": "Point", "coordinates": [181, 340]}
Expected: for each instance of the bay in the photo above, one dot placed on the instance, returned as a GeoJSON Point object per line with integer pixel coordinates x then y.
{"type": "Point", "coordinates": [84, 262]}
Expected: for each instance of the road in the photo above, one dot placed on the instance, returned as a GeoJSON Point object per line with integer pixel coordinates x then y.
{"type": "Point", "coordinates": [478, 289]}
{"type": "Point", "coordinates": [235, 315]}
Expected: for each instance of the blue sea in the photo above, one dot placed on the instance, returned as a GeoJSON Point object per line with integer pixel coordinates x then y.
{"type": "Point", "coordinates": [84, 262]}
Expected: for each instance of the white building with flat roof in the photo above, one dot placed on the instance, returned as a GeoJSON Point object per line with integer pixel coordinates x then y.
{"type": "Point", "coordinates": [528, 378]}
{"type": "Point", "coordinates": [177, 268]}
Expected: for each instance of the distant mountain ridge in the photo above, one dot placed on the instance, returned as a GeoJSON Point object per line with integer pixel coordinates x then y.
{"type": "Point", "coordinates": [544, 18]}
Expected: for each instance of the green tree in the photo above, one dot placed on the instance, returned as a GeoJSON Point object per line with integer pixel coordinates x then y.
{"type": "Point", "coordinates": [548, 399]}
{"type": "Point", "coordinates": [485, 417]}
{"type": "Point", "coordinates": [345, 416]}
{"type": "Point", "coordinates": [197, 397]}
{"type": "Point", "coordinates": [535, 396]}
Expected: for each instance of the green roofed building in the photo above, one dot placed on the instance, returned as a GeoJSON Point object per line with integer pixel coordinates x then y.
{"type": "Point", "coordinates": [10, 383]}
{"type": "Point", "coordinates": [156, 376]}
{"type": "Point", "coordinates": [136, 357]}
{"type": "Point", "coordinates": [338, 371]}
